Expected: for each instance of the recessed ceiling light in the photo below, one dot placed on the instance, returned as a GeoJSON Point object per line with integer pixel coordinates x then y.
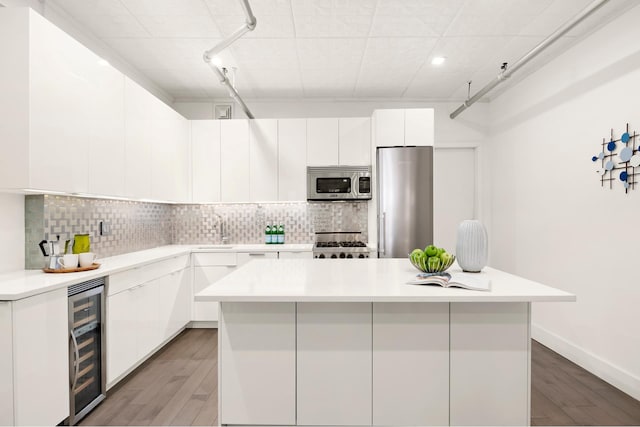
{"type": "Point", "coordinates": [437, 60]}
{"type": "Point", "coordinates": [216, 61]}
{"type": "Point", "coordinates": [103, 62]}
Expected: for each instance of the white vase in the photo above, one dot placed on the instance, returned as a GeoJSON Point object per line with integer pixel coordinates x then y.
{"type": "Point", "coordinates": [472, 246]}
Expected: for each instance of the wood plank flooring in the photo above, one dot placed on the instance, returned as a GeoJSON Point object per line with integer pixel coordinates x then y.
{"type": "Point", "coordinates": [179, 386]}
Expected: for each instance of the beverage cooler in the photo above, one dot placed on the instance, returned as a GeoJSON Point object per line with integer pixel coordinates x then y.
{"type": "Point", "coordinates": [86, 347]}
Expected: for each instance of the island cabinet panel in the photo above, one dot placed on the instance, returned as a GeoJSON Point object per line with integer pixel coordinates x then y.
{"type": "Point", "coordinates": [490, 364]}
{"type": "Point", "coordinates": [411, 364]}
{"type": "Point", "coordinates": [6, 365]}
{"type": "Point", "coordinates": [258, 351]}
{"type": "Point", "coordinates": [334, 363]}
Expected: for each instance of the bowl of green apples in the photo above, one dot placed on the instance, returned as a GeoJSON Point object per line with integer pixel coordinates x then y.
{"type": "Point", "coordinates": [431, 260]}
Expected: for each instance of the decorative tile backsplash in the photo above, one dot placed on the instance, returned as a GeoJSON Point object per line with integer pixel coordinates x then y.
{"type": "Point", "coordinates": [138, 225]}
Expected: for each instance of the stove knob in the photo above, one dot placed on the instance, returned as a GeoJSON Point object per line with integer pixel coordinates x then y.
{"type": "Point", "coordinates": [361, 256]}
{"type": "Point", "coordinates": [342, 255]}
{"type": "Point", "coordinates": [334, 256]}
{"type": "Point", "coordinates": [349, 256]}
{"type": "Point", "coordinates": [321, 256]}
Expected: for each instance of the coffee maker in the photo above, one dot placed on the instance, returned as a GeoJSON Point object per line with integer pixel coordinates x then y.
{"type": "Point", "coordinates": [52, 251]}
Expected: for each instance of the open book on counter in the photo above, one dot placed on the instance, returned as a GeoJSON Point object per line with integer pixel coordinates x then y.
{"type": "Point", "coordinates": [471, 281]}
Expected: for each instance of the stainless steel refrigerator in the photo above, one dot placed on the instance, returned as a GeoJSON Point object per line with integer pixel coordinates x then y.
{"type": "Point", "coordinates": [405, 200]}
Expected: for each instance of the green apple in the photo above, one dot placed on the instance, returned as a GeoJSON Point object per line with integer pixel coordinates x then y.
{"type": "Point", "coordinates": [433, 263]}
{"type": "Point", "coordinates": [431, 251]}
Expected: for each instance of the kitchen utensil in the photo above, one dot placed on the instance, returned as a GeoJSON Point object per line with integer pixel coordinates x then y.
{"type": "Point", "coordinates": [51, 249]}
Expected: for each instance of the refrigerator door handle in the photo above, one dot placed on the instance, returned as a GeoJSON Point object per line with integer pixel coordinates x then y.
{"type": "Point", "coordinates": [383, 233]}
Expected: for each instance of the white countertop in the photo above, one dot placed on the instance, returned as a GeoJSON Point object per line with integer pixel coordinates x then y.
{"type": "Point", "coordinates": [368, 280]}
{"type": "Point", "coordinates": [26, 283]}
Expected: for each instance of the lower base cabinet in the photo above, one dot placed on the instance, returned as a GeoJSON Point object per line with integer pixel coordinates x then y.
{"type": "Point", "coordinates": [34, 377]}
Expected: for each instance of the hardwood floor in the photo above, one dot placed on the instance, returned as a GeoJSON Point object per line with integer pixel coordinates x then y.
{"type": "Point", "coordinates": [178, 386]}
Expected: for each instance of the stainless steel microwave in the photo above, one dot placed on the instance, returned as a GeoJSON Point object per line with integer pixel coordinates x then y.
{"type": "Point", "coordinates": [338, 183]}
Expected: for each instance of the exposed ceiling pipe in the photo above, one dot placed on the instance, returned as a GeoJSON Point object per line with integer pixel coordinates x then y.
{"type": "Point", "coordinates": [508, 71]}
{"type": "Point", "coordinates": [249, 25]}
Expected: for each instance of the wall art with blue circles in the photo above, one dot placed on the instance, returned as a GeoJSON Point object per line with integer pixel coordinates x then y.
{"type": "Point", "coordinates": [618, 160]}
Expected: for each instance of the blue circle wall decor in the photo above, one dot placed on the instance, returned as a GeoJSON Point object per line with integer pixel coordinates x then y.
{"type": "Point", "coordinates": [626, 161]}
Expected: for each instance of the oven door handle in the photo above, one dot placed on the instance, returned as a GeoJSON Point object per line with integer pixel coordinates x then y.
{"type": "Point", "coordinates": [76, 363]}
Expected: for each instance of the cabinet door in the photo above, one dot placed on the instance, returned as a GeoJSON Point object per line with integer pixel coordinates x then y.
{"type": "Point", "coordinates": [411, 364]}
{"type": "Point", "coordinates": [355, 141]}
{"type": "Point", "coordinates": [169, 169]}
{"type": "Point", "coordinates": [174, 302]}
{"type": "Point", "coordinates": [139, 137]}
{"type": "Point", "coordinates": [322, 142]}
{"type": "Point", "coordinates": [203, 277]}
{"type": "Point", "coordinates": [205, 160]}
{"type": "Point", "coordinates": [60, 81]}
{"type": "Point", "coordinates": [389, 128]}
{"type": "Point", "coordinates": [263, 160]}
{"type": "Point", "coordinates": [258, 376]}
{"type": "Point", "coordinates": [334, 363]}
{"type": "Point", "coordinates": [41, 359]}
{"type": "Point", "coordinates": [245, 257]}
{"type": "Point", "coordinates": [418, 126]}
{"type": "Point", "coordinates": [147, 306]}
{"type": "Point", "coordinates": [487, 340]}
{"type": "Point", "coordinates": [234, 160]}
{"type": "Point", "coordinates": [122, 350]}
{"type": "Point", "coordinates": [106, 131]}
{"type": "Point", "coordinates": [6, 365]}
{"type": "Point", "coordinates": [292, 160]}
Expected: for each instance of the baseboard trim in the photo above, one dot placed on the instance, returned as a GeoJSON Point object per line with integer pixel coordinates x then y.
{"type": "Point", "coordinates": [599, 367]}
{"type": "Point", "coordinates": [196, 324]}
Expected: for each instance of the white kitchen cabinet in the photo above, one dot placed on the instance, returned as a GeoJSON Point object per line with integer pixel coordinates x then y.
{"type": "Point", "coordinates": [169, 155]}
{"type": "Point", "coordinates": [209, 267]}
{"type": "Point", "coordinates": [403, 127]}
{"type": "Point", "coordinates": [322, 142]}
{"type": "Point", "coordinates": [122, 334]}
{"type": "Point", "coordinates": [389, 128]}
{"type": "Point", "coordinates": [245, 257]}
{"type": "Point", "coordinates": [205, 160]}
{"type": "Point", "coordinates": [411, 364]}
{"type": "Point", "coordinates": [175, 310]}
{"type": "Point", "coordinates": [264, 335]}
{"type": "Point", "coordinates": [334, 370]}
{"type": "Point", "coordinates": [6, 365]}
{"type": "Point", "coordinates": [292, 160]}
{"type": "Point", "coordinates": [234, 160]}
{"type": "Point", "coordinates": [106, 131]}
{"type": "Point", "coordinates": [354, 141]}
{"type": "Point", "coordinates": [489, 335]}
{"type": "Point", "coordinates": [296, 255]}
{"type": "Point", "coordinates": [148, 325]}
{"type": "Point", "coordinates": [41, 359]}
{"type": "Point", "coordinates": [418, 126]}
{"type": "Point", "coordinates": [263, 160]}
{"type": "Point", "coordinates": [139, 137]}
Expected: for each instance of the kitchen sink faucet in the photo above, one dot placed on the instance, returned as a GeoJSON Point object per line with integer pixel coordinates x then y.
{"type": "Point", "coordinates": [223, 237]}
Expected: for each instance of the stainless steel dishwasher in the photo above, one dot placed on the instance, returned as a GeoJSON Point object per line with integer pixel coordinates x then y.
{"type": "Point", "coordinates": [87, 371]}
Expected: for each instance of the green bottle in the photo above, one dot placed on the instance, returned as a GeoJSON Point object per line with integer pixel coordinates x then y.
{"type": "Point", "coordinates": [281, 233]}
{"type": "Point", "coordinates": [267, 234]}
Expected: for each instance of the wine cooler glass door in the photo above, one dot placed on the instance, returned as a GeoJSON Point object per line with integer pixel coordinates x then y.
{"type": "Point", "coordinates": [86, 347]}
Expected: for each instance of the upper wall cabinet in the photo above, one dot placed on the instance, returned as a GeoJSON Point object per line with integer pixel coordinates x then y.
{"type": "Point", "coordinates": [205, 160]}
{"type": "Point", "coordinates": [292, 155]}
{"type": "Point", "coordinates": [263, 160]}
{"type": "Point", "coordinates": [410, 127]}
{"type": "Point", "coordinates": [322, 142]}
{"type": "Point", "coordinates": [354, 141]}
{"type": "Point", "coordinates": [138, 139]}
{"type": "Point", "coordinates": [62, 109]}
{"type": "Point", "coordinates": [234, 160]}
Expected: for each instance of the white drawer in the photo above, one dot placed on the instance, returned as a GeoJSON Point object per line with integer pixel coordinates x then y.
{"type": "Point", "coordinates": [293, 255]}
{"type": "Point", "coordinates": [119, 282]}
{"type": "Point", "coordinates": [214, 258]}
{"type": "Point", "coordinates": [245, 257]}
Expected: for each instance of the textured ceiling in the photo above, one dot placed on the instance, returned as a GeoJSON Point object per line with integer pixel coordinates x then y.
{"type": "Point", "coordinates": [333, 48]}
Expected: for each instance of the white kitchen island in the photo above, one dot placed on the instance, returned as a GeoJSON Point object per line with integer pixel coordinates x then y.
{"type": "Point", "coordinates": [348, 342]}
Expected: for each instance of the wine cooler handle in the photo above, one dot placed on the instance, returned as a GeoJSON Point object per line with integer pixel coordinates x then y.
{"type": "Point", "coordinates": [76, 364]}
{"type": "Point", "coordinates": [382, 233]}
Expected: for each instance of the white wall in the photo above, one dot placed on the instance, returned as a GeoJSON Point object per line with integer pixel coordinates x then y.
{"type": "Point", "coordinates": [551, 219]}
{"type": "Point", "coordinates": [11, 232]}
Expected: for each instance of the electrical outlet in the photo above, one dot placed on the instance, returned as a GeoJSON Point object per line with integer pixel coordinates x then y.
{"type": "Point", "coordinates": [105, 228]}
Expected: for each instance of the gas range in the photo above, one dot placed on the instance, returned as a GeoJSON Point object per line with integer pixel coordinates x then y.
{"type": "Point", "coordinates": [340, 245]}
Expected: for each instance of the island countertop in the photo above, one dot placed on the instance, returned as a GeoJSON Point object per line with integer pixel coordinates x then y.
{"type": "Point", "coordinates": [368, 280]}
